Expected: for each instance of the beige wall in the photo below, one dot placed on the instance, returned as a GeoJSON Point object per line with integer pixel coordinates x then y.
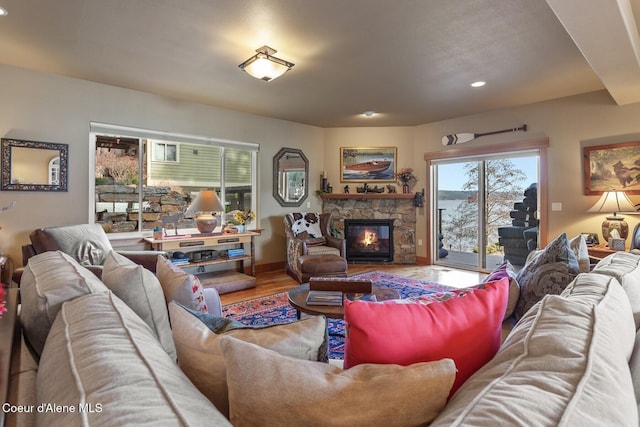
{"type": "Point", "coordinates": [569, 124]}
{"type": "Point", "coordinates": [51, 108]}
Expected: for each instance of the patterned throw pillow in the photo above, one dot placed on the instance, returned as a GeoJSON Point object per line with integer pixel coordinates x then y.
{"type": "Point", "coordinates": [548, 272]}
{"type": "Point", "coordinates": [180, 286]}
{"type": "Point", "coordinates": [305, 224]}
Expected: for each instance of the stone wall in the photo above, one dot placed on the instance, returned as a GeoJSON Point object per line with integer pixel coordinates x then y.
{"type": "Point", "coordinates": [117, 207]}
{"type": "Point", "coordinates": [387, 206]}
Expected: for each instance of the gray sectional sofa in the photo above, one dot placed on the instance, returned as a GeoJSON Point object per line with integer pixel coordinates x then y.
{"type": "Point", "coordinates": [573, 359]}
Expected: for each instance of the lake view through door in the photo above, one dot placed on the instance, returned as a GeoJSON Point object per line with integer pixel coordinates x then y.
{"type": "Point", "coordinates": [474, 198]}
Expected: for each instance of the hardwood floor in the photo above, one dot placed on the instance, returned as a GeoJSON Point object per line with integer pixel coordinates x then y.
{"type": "Point", "coordinates": [273, 282]}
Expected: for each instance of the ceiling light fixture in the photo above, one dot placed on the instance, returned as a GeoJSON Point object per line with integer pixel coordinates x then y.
{"type": "Point", "coordinates": [478, 84]}
{"type": "Point", "coordinates": [264, 66]}
{"type": "Point", "coordinates": [3, 11]}
{"type": "Point", "coordinates": [369, 113]}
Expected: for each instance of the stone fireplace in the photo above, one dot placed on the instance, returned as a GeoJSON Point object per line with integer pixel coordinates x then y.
{"type": "Point", "coordinates": [396, 207]}
{"type": "Point", "coordinates": [369, 240]}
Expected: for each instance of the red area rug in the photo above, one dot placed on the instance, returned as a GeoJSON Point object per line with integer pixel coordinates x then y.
{"type": "Point", "coordinates": [275, 309]}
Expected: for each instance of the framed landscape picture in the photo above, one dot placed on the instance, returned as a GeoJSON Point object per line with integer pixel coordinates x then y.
{"type": "Point", "coordinates": [368, 164]}
{"type": "Point", "coordinates": [612, 167]}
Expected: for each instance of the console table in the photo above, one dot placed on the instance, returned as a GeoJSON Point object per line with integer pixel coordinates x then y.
{"type": "Point", "coordinates": [219, 241]}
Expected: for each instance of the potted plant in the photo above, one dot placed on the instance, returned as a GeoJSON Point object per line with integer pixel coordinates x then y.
{"type": "Point", "coordinates": [406, 178]}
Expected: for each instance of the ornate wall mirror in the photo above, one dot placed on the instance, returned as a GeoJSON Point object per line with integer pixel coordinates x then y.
{"type": "Point", "coordinates": [34, 166]}
{"type": "Point", "coordinates": [290, 172]}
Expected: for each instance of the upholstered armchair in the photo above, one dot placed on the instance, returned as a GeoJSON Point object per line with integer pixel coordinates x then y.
{"type": "Point", "coordinates": [308, 234]}
{"type": "Point", "coordinates": [87, 243]}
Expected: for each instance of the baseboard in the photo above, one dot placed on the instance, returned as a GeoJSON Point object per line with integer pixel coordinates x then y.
{"type": "Point", "coordinates": [422, 260]}
{"type": "Point", "coordinates": [274, 266]}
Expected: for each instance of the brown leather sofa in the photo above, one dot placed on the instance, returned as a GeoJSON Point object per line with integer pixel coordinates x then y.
{"type": "Point", "coordinates": [87, 243]}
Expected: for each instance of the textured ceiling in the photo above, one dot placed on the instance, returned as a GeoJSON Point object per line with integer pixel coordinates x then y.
{"type": "Point", "coordinates": [409, 60]}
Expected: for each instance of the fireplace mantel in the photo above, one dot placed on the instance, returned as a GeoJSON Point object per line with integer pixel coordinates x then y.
{"type": "Point", "coordinates": [367, 196]}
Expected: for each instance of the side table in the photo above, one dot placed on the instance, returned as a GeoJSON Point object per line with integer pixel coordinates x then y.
{"type": "Point", "coordinates": [599, 252]}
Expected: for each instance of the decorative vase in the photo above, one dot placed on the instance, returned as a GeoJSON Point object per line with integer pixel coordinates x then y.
{"type": "Point", "coordinates": [241, 228]}
{"type": "Point", "coordinates": [405, 189]}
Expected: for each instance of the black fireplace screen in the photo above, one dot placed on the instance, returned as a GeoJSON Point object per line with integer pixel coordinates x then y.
{"type": "Point", "coordinates": [369, 240]}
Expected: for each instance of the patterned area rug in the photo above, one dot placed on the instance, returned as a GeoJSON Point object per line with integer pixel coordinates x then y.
{"type": "Point", "coordinates": [275, 309]}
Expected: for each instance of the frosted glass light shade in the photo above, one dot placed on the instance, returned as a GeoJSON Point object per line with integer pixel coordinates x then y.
{"type": "Point", "coordinates": [265, 66]}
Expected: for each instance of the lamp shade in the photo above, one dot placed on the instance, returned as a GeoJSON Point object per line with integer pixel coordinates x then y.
{"type": "Point", "coordinates": [614, 202]}
{"type": "Point", "coordinates": [205, 203]}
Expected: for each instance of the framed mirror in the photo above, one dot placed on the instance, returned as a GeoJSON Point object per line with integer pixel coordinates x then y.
{"type": "Point", "coordinates": [290, 173]}
{"type": "Point", "coordinates": [33, 166]}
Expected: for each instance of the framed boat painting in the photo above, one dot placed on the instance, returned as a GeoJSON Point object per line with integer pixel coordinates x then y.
{"type": "Point", "coordinates": [368, 164]}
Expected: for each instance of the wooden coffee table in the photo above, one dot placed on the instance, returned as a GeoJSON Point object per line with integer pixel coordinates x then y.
{"type": "Point", "coordinates": [298, 299]}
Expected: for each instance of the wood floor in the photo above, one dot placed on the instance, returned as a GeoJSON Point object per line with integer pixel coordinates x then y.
{"type": "Point", "coordinates": [273, 282]}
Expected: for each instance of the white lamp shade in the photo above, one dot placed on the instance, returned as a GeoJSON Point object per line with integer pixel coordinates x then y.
{"type": "Point", "coordinates": [205, 203]}
{"type": "Point", "coordinates": [613, 202]}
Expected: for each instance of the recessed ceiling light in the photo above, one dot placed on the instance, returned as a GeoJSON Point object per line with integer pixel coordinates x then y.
{"type": "Point", "coordinates": [3, 11]}
{"type": "Point", "coordinates": [478, 84]}
{"type": "Point", "coordinates": [369, 113]}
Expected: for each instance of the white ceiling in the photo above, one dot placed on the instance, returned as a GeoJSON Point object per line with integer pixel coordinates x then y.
{"type": "Point", "coordinates": [410, 60]}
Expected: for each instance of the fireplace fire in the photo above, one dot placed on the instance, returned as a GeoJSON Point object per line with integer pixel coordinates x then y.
{"type": "Point", "coordinates": [369, 240]}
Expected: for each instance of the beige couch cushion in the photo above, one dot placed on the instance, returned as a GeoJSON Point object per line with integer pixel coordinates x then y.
{"type": "Point", "coordinates": [564, 363]}
{"type": "Point", "coordinates": [625, 267]}
{"type": "Point", "coordinates": [634, 366]}
{"type": "Point", "coordinates": [50, 279]}
{"type": "Point", "coordinates": [140, 289]}
{"type": "Point", "coordinates": [200, 355]}
{"type": "Point", "coordinates": [100, 353]}
{"type": "Point", "coordinates": [266, 388]}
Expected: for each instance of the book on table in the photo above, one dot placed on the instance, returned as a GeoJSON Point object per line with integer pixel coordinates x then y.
{"type": "Point", "coordinates": [324, 298]}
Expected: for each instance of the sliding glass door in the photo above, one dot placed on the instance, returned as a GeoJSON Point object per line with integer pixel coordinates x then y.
{"type": "Point", "coordinates": [480, 199]}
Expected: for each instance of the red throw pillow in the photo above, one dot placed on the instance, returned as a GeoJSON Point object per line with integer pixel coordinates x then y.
{"type": "Point", "coordinates": [465, 329]}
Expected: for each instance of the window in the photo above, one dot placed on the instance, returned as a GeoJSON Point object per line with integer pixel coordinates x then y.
{"type": "Point", "coordinates": [164, 152]}
{"type": "Point", "coordinates": [139, 180]}
{"type": "Point", "coordinates": [54, 171]}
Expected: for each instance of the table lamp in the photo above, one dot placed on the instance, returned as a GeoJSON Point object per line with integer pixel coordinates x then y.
{"type": "Point", "coordinates": [613, 202]}
{"type": "Point", "coordinates": [204, 207]}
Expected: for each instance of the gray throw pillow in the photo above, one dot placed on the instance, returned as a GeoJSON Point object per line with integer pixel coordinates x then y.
{"type": "Point", "coordinates": [549, 272]}
{"type": "Point", "coordinates": [140, 289]}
